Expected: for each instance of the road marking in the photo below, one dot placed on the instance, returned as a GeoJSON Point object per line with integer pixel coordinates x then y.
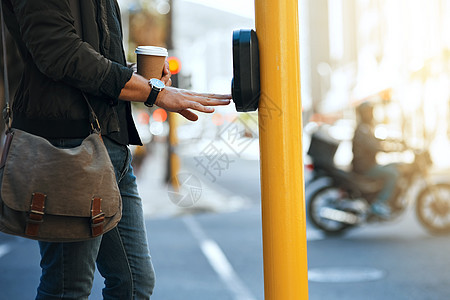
{"type": "Point", "coordinates": [218, 261]}
{"type": "Point", "coordinates": [345, 275]}
{"type": "Point", "coordinates": [314, 235]}
{"type": "Point", "coordinates": [4, 249]}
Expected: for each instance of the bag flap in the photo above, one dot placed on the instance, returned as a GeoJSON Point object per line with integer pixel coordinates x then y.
{"type": "Point", "coordinates": [70, 178]}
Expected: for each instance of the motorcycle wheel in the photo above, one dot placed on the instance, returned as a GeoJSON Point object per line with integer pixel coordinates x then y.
{"type": "Point", "coordinates": [327, 196]}
{"type": "Point", "coordinates": [433, 208]}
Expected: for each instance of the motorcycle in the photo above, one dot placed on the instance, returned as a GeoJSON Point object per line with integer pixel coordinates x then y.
{"type": "Point", "coordinates": [345, 200]}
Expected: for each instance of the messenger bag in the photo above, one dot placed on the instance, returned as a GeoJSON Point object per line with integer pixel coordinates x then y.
{"type": "Point", "coordinates": [51, 193]}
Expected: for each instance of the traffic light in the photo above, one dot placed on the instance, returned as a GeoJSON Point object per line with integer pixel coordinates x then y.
{"type": "Point", "coordinates": [174, 67]}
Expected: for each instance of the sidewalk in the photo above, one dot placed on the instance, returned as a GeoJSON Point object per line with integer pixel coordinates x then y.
{"type": "Point", "coordinates": [156, 194]}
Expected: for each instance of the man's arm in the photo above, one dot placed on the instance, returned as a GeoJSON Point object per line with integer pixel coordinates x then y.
{"type": "Point", "coordinates": [173, 99]}
{"type": "Point", "coordinates": [49, 34]}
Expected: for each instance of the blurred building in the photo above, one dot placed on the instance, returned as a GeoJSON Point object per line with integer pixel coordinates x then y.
{"type": "Point", "coordinates": [350, 50]}
{"type": "Point", "coordinates": [361, 47]}
{"type": "Point", "coordinates": [388, 51]}
{"type": "Point", "coordinates": [202, 36]}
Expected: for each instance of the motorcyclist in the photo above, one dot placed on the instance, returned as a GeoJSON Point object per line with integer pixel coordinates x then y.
{"type": "Point", "coordinates": [365, 148]}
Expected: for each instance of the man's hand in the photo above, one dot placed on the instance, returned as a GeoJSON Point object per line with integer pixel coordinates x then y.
{"type": "Point", "coordinates": [180, 101]}
{"type": "Point", "coordinates": [173, 99]}
{"type": "Point", "coordinates": [166, 75]}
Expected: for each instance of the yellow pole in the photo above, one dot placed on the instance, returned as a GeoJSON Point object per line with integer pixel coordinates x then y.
{"type": "Point", "coordinates": [280, 127]}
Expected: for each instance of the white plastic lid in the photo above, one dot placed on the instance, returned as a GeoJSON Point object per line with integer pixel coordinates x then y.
{"type": "Point", "coordinates": [152, 50]}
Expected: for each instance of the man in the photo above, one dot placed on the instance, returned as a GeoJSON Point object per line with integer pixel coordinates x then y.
{"type": "Point", "coordinates": [65, 57]}
{"type": "Point", "coordinates": [365, 148]}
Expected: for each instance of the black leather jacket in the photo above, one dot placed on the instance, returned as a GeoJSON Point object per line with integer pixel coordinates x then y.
{"type": "Point", "coordinates": [365, 148]}
{"type": "Point", "coordinates": [59, 65]}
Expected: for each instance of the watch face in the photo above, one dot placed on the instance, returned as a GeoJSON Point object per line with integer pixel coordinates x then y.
{"type": "Point", "coordinates": [156, 83]}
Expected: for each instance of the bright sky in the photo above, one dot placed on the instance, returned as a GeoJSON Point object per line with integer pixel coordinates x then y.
{"type": "Point", "coordinates": [243, 8]}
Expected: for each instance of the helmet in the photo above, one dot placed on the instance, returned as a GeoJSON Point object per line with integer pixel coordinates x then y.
{"type": "Point", "coordinates": [365, 112]}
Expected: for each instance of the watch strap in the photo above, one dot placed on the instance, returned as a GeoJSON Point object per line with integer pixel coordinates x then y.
{"type": "Point", "coordinates": [151, 97]}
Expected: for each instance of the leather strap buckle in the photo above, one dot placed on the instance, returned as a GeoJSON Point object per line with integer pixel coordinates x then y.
{"type": "Point", "coordinates": [36, 214]}
{"type": "Point", "coordinates": [97, 217]}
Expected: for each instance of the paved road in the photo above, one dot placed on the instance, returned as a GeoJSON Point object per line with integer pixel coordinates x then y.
{"type": "Point", "coordinates": [396, 260]}
{"type": "Point", "coordinates": [210, 256]}
{"type": "Point", "coordinates": [413, 264]}
{"type": "Point", "coordinates": [219, 256]}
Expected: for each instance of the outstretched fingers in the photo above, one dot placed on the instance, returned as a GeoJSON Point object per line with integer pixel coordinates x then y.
{"type": "Point", "coordinates": [216, 96]}
{"type": "Point", "coordinates": [184, 102]}
{"type": "Point", "coordinates": [206, 95]}
{"type": "Point", "coordinates": [199, 107]}
{"type": "Point", "coordinates": [210, 100]}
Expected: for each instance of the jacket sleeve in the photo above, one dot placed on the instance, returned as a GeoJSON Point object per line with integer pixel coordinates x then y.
{"type": "Point", "coordinates": [48, 31]}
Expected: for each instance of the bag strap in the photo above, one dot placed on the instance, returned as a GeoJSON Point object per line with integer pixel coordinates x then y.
{"type": "Point", "coordinates": [7, 116]}
{"type": "Point", "coordinates": [7, 109]}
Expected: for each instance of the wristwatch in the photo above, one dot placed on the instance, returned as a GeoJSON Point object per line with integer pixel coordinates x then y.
{"type": "Point", "coordinates": [156, 86]}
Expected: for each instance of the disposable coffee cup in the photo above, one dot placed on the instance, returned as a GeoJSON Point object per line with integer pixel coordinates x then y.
{"type": "Point", "coordinates": [150, 61]}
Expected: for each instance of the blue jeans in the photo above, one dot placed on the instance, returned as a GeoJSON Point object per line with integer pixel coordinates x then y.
{"type": "Point", "coordinates": [122, 254]}
{"type": "Point", "coordinates": [389, 173]}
